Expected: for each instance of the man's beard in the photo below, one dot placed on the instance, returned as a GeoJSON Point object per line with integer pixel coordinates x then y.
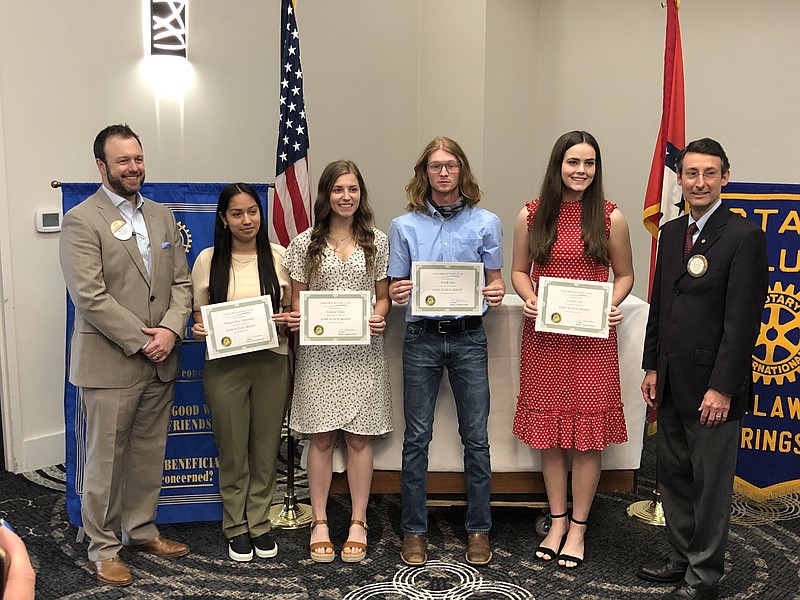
{"type": "Point", "coordinates": [120, 187]}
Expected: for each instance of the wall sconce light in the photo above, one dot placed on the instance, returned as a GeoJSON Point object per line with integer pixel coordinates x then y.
{"type": "Point", "coordinates": [168, 28]}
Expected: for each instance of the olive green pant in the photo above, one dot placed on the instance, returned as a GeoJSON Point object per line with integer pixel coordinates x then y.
{"type": "Point", "coordinates": [247, 396]}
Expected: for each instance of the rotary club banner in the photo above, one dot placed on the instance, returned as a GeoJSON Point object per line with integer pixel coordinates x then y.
{"type": "Point", "coordinates": [769, 450]}
{"type": "Point", "coordinates": [190, 486]}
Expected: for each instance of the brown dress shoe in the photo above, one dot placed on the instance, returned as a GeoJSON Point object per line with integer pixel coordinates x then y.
{"type": "Point", "coordinates": [415, 550]}
{"type": "Point", "coordinates": [478, 551]}
{"type": "Point", "coordinates": [111, 571]}
{"type": "Point", "coordinates": [162, 547]}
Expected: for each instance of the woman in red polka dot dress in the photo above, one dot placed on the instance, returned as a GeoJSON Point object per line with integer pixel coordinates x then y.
{"type": "Point", "coordinates": [569, 385]}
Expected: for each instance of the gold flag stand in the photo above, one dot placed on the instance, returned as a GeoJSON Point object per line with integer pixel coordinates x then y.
{"type": "Point", "coordinates": [650, 512]}
{"type": "Point", "coordinates": [290, 514]}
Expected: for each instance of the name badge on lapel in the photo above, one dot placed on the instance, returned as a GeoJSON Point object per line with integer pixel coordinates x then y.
{"type": "Point", "coordinates": [121, 230]}
{"type": "Point", "coordinates": [697, 265]}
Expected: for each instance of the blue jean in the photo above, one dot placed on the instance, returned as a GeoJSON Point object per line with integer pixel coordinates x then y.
{"type": "Point", "coordinates": [466, 357]}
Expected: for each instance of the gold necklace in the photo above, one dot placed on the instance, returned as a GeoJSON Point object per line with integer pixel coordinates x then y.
{"type": "Point", "coordinates": [247, 261]}
{"type": "Point", "coordinates": [338, 242]}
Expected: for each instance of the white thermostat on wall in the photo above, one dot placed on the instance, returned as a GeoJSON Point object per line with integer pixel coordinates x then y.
{"type": "Point", "coordinates": [48, 221]}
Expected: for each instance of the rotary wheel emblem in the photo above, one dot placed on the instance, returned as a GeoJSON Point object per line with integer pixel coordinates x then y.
{"type": "Point", "coordinates": [186, 237]}
{"type": "Point", "coordinates": [777, 353]}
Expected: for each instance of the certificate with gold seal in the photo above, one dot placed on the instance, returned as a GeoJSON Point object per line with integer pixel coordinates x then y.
{"type": "Point", "coordinates": [441, 288]}
{"type": "Point", "coordinates": [335, 318]}
{"type": "Point", "coordinates": [573, 306]}
{"type": "Point", "coordinates": [239, 326]}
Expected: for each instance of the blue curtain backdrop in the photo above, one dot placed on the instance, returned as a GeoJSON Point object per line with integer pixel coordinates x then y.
{"type": "Point", "coordinates": [769, 451]}
{"type": "Point", "coordinates": [189, 489]}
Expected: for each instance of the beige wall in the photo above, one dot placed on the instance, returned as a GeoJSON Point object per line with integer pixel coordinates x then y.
{"type": "Point", "coordinates": [382, 77]}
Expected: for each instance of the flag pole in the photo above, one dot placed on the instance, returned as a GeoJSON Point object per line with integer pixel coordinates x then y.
{"type": "Point", "coordinates": [291, 214]}
{"type": "Point", "coordinates": [663, 201]}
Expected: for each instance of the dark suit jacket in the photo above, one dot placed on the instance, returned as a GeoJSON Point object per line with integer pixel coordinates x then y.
{"type": "Point", "coordinates": [701, 331]}
{"type": "Point", "coordinates": [114, 298]}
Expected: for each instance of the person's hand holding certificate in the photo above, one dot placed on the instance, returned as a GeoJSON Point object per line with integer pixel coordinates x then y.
{"type": "Point", "coordinates": [573, 306]}
{"type": "Point", "coordinates": [239, 326]}
{"type": "Point", "coordinates": [441, 288]}
{"type": "Point", "coordinates": [334, 318]}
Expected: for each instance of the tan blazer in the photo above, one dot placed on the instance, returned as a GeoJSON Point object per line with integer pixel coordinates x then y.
{"type": "Point", "coordinates": [113, 296]}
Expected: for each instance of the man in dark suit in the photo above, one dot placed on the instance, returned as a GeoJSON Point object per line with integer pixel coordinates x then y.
{"type": "Point", "coordinates": [709, 289]}
{"type": "Point", "coordinates": [125, 268]}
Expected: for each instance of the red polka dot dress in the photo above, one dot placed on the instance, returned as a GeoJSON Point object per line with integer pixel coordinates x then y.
{"type": "Point", "coordinates": [569, 393]}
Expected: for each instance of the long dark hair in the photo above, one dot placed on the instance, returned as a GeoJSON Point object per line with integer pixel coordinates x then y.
{"type": "Point", "coordinates": [220, 274]}
{"type": "Point", "coordinates": [544, 228]}
{"type": "Point", "coordinates": [363, 218]}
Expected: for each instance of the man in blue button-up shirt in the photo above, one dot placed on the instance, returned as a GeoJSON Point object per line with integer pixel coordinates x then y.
{"type": "Point", "coordinates": [443, 224]}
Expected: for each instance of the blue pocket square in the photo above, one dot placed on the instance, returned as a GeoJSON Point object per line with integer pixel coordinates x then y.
{"type": "Point", "coordinates": [166, 245]}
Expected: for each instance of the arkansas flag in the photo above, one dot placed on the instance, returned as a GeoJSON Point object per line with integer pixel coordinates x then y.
{"type": "Point", "coordinates": [663, 200]}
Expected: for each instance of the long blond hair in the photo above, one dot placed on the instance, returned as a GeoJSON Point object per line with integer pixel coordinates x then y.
{"type": "Point", "coordinates": [418, 189]}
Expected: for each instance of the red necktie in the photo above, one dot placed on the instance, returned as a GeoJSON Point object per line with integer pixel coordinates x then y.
{"type": "Point", "coordinates": [688, 242]}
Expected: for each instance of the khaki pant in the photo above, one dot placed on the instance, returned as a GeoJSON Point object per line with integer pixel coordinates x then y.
{"type": "Point", "coordinates": [126, 434]}
{"type": "Point", "coordinates": [247, 396]}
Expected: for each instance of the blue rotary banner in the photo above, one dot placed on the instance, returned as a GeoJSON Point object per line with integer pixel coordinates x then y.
{"type": "Point", "coordinates": [190, 489]}
{"type": "Point", "coordinates": [769, 450]}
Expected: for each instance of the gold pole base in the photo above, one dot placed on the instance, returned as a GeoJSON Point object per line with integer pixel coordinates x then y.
{"type": "Point", "coordinates": [650, 512]}
{"type": "Point", "coordinates": [290, 514]}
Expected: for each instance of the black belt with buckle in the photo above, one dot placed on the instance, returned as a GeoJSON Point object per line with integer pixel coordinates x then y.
{"type": "Point", "coordinates": [450, 326]}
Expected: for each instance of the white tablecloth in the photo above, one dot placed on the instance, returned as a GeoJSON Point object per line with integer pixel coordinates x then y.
{"type": "Point", "coordinates": [504, 330]}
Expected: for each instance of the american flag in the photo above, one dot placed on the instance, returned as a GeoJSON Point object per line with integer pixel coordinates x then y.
{"type": "Point", "coordinates": [291, 205]}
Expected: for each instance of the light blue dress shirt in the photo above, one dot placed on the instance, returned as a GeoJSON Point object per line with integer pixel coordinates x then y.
{"type": "Point", "coordinates": [135, 219]}
{"type": "Point", "coordinates": [471, 235]}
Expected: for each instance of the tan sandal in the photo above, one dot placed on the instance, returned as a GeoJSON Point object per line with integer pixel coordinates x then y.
{"type": "Point", "coordinates": [315, 547]}
{"type": "Point", "coordinates": [358, 549]}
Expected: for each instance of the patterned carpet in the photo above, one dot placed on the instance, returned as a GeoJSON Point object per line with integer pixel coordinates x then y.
{"type": "Point", "coordinates": [762, 560]}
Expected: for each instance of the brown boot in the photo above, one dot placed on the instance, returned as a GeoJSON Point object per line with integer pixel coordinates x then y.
{"type": "Point", "coordinates": [478, 550]}
{"type": "Point", "coordinates": [415, 550]}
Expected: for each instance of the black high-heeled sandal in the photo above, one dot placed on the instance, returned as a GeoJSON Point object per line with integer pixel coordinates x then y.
{"type": "Point", "coordinates": [549, 553]}
{"type": "Point", "coordinates": [566, 557]}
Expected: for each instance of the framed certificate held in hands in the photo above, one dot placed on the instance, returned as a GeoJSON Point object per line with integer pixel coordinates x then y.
{"type": "Point", "coordinates": [239, 326]}
{"type": "Point", "coordinates": [334, 318]}
{"type": "Point", "coordinates": [441, 288]}
{"type": "Point", "coordinates": [573, 306]}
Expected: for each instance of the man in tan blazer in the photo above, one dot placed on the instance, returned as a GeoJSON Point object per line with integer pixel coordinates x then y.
{"type": "Point", "coordinates": [125, 268]}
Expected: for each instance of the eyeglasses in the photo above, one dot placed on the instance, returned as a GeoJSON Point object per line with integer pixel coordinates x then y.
{"type": "Point", "coordinates": [710, 174]}
{"type": "Point", "coordinates": [452, 167]}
